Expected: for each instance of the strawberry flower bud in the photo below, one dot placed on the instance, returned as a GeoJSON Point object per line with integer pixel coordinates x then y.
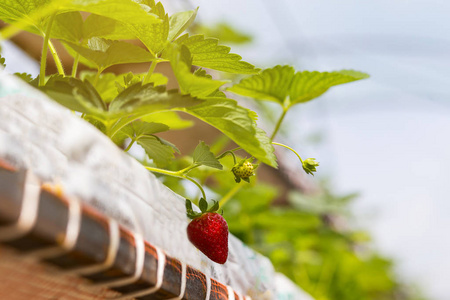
{"type": "Point", "coordinates": [309, 165]}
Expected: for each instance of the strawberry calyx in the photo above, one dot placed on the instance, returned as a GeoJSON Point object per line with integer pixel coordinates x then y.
{"type": "Point", "coordinates": [203, 205]}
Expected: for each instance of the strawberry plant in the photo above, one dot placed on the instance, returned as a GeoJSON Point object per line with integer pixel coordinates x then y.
{"type": "Point", "coordinates": [132, 109]}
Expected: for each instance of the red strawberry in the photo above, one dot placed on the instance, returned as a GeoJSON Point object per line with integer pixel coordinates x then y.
{"type": "Point", "coordinates": [208, 231]}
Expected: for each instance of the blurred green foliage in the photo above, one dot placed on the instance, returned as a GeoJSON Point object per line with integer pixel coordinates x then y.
{"type": "Point", "coordinates": [310, 240]}
{"type": "Point", "coordinates": [313, 247]}
{"type": "Point", "coordinates": [223, 31]}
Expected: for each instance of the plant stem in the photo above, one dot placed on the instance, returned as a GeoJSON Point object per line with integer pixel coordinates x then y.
{"type": "Point", "coordinates": [230, 194]}
{"type": "Point", "coordinates": [58, 63]}
{"type": "Point", "coordinates": [150, 72]}
{"type": "Point", "coordinates": [282, 145]}
{"type": "Point", "coordinates": [227, 152]}
{"type": "Point", "coordinates": [162, 171]}
{"type": "Point", "coordinates": [99, 71]}
{"type": "Point", "coordinates": [44, 51]}
{"type": "Point", "coordinates": [185, 170]}
{"type": "Point", "coordinates": [43, 11]}
{"type": "Point", "coordinates": [176, 174]}
{"type": "Point", "coordinates": [75, 65]}
{"type": "Point", "coordinates": [280, 120]}
{"type": "Point", "coordinates": [129, 145]}
{"type": "Point", "coordinates": [197, 184]}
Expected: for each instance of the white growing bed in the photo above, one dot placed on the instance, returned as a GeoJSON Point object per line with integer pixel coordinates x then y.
{"type": "Point", "coordinates": [38, 134]}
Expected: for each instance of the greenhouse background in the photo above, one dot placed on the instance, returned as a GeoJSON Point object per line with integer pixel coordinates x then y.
{"type": "Point", "coordinates": [388, 137]}
{"type": "Point", "coordinates": [385, 138]}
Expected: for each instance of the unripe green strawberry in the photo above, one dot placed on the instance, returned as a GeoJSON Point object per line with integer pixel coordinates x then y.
{"type": "Point", "coordinates": [209, 233]}
{"type": "Point", "coordinates": [243, 170]}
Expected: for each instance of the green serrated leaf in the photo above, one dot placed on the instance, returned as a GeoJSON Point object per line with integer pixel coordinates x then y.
{"type": "Point", "coordinates": [271, 84]}
{"type": "Point", "coordinates": [24, 76]}
{"type": "Point", "coordinates": [238, 124]}
{"type": "Point", "coordinates": [200, 72]}
{"type": "Point", "coordinates": [153, 36]}
{"type": "Point", "coordinates": [139, 129]}
{"type": "Point", "coordinates": [31, 15]}
{"type": "Point", "coordinates": [126, 80]}
{"type": "Point", "coordinates": [207, 53]}
{"type": "Point", "coordinates": [105, 84]}
{"type": "Point", "coordinates": [160, 153]}
{"type": "Point", "coordinates": [178, 23]}
{"type": "Point", "coordinates": [68, 27]}
{"type": "Point", "coordinates": [75, 94]}
{"type": "Point", "coordinates": [109, 85]}
{"type": "Point", "coordinates": [123, 134]}
{"type": "Point", "coordinates": [170, 118]}
{"type": "Point", "coordinates": [203, 156]}
{"type": "Point", "coordinates": [28, 15]}
{"type": "Point", "coordinates": [107, 28]}
{"type": "Point", "coordinates": [35, 82]}
{"type": "Point", "coordinates": [197, 86]}
{"type": "Point", "coordinates": [224, 32]}
{"type": "Point", "coordinates": [105, 53]}
{"type": "Point", "coordinates": [145, 97]}
{"type": "Point", "coordinates": [100, 126]}
{"type": "Point", "coordinates": [129, 12]}
{"type": "Point", "coordinates": [134, 102]}
{"type": "Point", "coordinates": [144, 128]}
{"type": "Point", "coordinates": [308, 85]}
{"type": "Point", "coordinates": [203, 205]}
{"type": "Point", "coordinates": [167, 143]}
{"type": "Point", "coordinates": [148, 4]}
{"type": "Point", "coordinates": [149, 24]}
{"type": "Point", "coordinates": [217, 94]}
{"type": "Point", "coordinates": [282, 85]}
{"type": "Point", "coordinates": [81, 59]}
{"type": "Point", "coordinates": [158, 79]}
{"type": "Point", "coordinates": [138, 101]}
